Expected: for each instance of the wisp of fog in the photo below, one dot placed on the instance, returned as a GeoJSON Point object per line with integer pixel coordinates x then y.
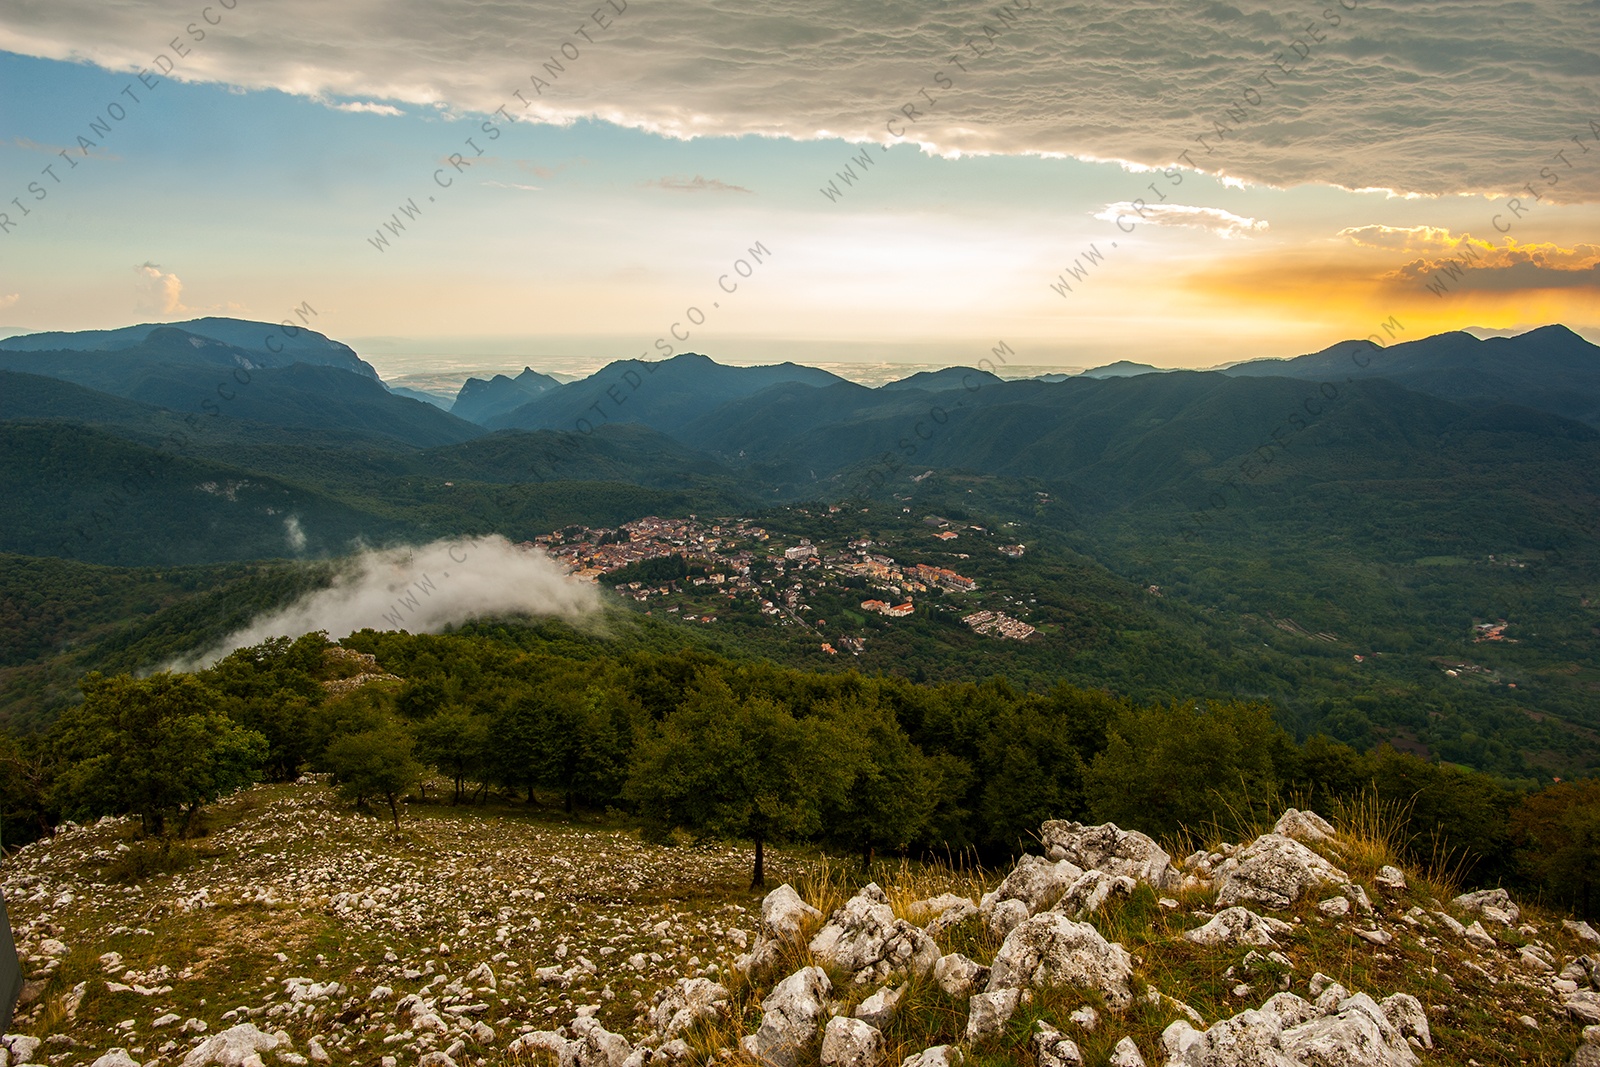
{"type": "Point", "coordinates": [422, 589]}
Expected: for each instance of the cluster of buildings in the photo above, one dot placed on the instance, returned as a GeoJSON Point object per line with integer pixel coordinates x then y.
{"type": "Point", "coordinates": [733, 557]}
{"type": "Point", "coordinates": [998, 624]}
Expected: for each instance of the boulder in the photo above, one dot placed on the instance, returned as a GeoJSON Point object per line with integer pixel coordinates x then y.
{"type": "Point", "coordinates": [1248, 1039]}
{"type": "Point", "coordinates": [1359, 1035]}
{"type": "Point", "coordinates": [1239, 926]}
{"type": "Point", "coordinates": [1033, 885]}
{"type": "Point", "coordinates": [1304, 826]}
{"type": "Point", "coordinates": [1052, 1048]}
{"type": "Point", "coordinates": [117, 1057]}
{"type": "Point", "coordinates": [1090, 892]}
{"type": "Point", "coordinates": [1405, 1014]}
{"type": "Point", "coordinates": [1495, 905]}
{"type": "Point", "coordinates": [958, 976]}
{"type": "Point", "coordinates": [851, 1043]}
{"type": "Point", "coordinates": [23, 1047]}
{"type": "Point", "coordinates": [237, 1046]}
{"type": "Point", "coordinates": [547, 1041]}
{"type": "Point", "coordinates": [865, 939]}
{"type": "Point", "coordinates": [879, 1008]}
{"type": "Point", "coordinates": [1126, 1054]}
{"type": "Point", "coordinates": [1583, 1006]}
{"type": "Point", "coordinates": [790, 1017]}
{"type": "Point", "coordinates": [1051, 949]}
{"type": "Point", "coordinates": [1111, 849]}
{"type": "Point", "coordinates": [785, 916]}
{"type": "Point", "coordinates": [988, 1013]}
{"type": "Point", "coordinates": [680, 1006]}
{"type": "Point", "coordinates": [1274, 872]}
{"type": "Point", "coordinates": [937, 1056]}
{"type": "Point", "coordinates": [1581, 930]}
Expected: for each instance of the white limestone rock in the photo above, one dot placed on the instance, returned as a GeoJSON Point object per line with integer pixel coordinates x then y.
{"type": "Point", "coordinates": [1304, 826]}
{"type": "Point", "coordinates": [1111, 849]}
{"type": "Point", "coordinates": [1493, 905]}
{"type": "Point", "coordinates": [988, 1013]}
{"type": "Point", "coordinates": [865, 939]}
{"type": "Point", "coordinates": [1275, 871]}
{"type": "Point", "coordinates": [1051, 949]}
{"type": "Point", "coordinates": [237, 1046]}
{"type": "Point", "coordinates": [851, 1043]}
{"type": "Point", "coordinates": [1052, 1048]}
{"type": "Point", "coordinates": [790, 1017]}
{"type": "Point", "coordinates": [958, 976]}
{"type": "Point", "coordinates": [1239, 926]}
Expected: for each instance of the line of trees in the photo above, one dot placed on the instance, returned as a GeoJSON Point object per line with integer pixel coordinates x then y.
{"type": "Point", "coordinates": [685, 741]}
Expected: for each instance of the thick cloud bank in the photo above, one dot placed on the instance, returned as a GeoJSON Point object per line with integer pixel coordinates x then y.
{"type": "Point", "coordinates": [1437, 97]}
{"type": "Point", "coordinates": [424, 590]}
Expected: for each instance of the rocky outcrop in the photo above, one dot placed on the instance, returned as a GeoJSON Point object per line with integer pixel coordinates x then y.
{"type": "Point", "coordinates": [1051, 949]}
{"type": "Point", "coordinates": [865, 939]}
{"type": "Point", "coordinates": [790, 1017]}
{"type": "Point", "coordinates": [1288, 1031]}
{"type": "Point", "coordinates": [1305, 826]}
{"type": "Point", "coordinates": [1492, 905]}
{"type": "Point", "coordinates": [1110, 849]}
{"type": "Point", "coordinates": [680, 1006]}
{"type": "Point", "coordinates": [238, 1046]}
{"type": "Point", "coordinates": [1275, 871]}
{"type": "Point", "coordinates": [1033, 885]}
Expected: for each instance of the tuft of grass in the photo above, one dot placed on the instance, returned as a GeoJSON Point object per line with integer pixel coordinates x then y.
{"type": "Point", "coordinates": [151, 857]}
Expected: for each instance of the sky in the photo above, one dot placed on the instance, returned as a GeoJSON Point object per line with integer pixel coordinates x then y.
{"type": "Point", "coordinates": [473, 185]}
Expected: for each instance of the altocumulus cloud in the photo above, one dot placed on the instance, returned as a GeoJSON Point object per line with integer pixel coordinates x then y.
{"type": "Point", "coordinates": [423, 590]}
{"type": "Point", "coordinates": [1218, 221]}
{"type": "Point", "coordinates": [1442, 98]}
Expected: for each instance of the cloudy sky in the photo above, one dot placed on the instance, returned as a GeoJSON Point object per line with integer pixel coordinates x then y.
{"type": "Point", "coordinates": [488, 183]}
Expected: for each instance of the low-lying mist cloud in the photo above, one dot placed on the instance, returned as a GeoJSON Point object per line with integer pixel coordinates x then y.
{"type": "Point", "coordinates": [423, 589]}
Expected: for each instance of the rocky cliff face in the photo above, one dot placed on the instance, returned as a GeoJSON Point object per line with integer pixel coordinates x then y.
{"type": "Point", "coordinates": [300, 932]}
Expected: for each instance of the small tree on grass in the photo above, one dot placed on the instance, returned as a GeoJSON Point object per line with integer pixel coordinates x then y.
{"type": "Point", "coordinates": [734, 768]}
{"type": "Point", "coordinates": [152, 747]}
{"type": "Point", "coordinates": [456, 741]}
{"type": "Point", "coordinates": [374, 763]}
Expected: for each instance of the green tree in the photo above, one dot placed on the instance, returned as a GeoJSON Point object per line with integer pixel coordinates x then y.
{"type": "Point", "coordinates": [1184, 765]}
{"type": "Point", "coordinates": [1557, 833]}
{"type": "Point", "coordinates": [456, 742]}
{"type": "Point", "coordinates": [892, 787]}
{"type": "Point", "coordinates": [375, 763]}
{"type": "Point", "coordinates": [153, 747]}
{"type": "Point", "coordinates": [735, 768]}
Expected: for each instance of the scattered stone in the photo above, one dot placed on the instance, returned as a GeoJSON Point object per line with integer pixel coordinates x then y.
{"type": "Point", "coordinates": [117, 1057]}
{"type": "Point", "coordinates": [1033, 885]}
{"type": "Point", "coordinates": [1085, 1017]}
{"type": "Point", "coordinates": [851, 1043]}
{"type": "Point", "coordinates": [1335, 907]}
{"type": "Point", "coordinates": [680, 1006]}
{"type": "Point", "coordinates": [237, 1046]}
{"type": "Point", "coordinates": [1581, 930]}
{"type": "Point", "coordinates": [959, 976]}
{"type": "Point", "coordinates": [1091, 890]}
{"type": "Point", "coordinates": [878, 1009]}
{"type": "Point", "coordinates": [937, 1056]}
{"type": "Point", "coordinates": [1478, 937]}
{"type": "Point", "coordinates": [785, 916]}
{"type": "Point", "coordinates": [1583, 1006]}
